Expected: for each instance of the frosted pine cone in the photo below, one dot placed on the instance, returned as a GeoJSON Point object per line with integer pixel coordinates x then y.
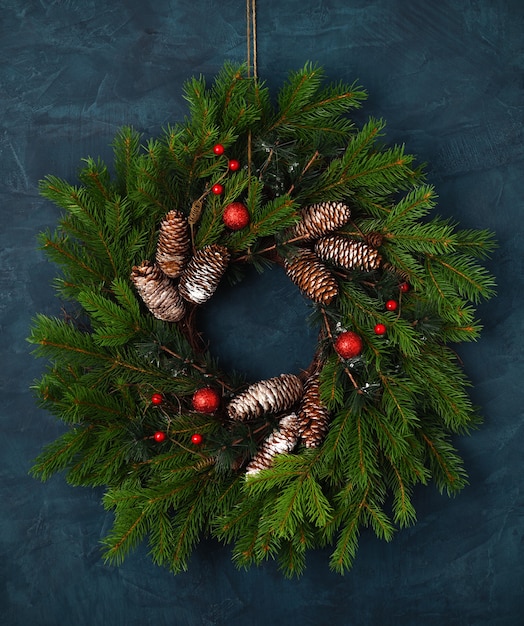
{"type": "Point", "coordinates": [313, 417]}
{"type": "Point", "coordinates": [282, 440]}
{"type": "Point", "coordinates": [202, 274]}
{"type": "Point", "coordinates": [312, 277]}
{"type": "Point", "coordinates": [158, 292]}
{"type": "Point", "coordinates": [267, 396]}
{"type": "Point", "coordinates": [173, 244]}
{"type": "Point", "coordinates": [348, 253]}
{"type": "Point", "coordinates": [322, 218]}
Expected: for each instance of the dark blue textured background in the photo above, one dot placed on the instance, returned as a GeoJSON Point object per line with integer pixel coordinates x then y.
{"type": "Point", "coordinates": [448, 77]}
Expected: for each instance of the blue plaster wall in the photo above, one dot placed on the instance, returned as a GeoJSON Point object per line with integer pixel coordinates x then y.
{"type": "Point", "coordinates": [448, 77]}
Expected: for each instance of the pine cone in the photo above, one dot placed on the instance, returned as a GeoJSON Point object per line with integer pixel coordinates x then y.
{"type": "Point", "coordinates": [348, 253]}
{"type": "Point", "coordinates": [374, 239]}
{"type": "Point", "coordinates": [158, 292]}
{"type": "Point", "coordinates": [312, 277]}
{"type": "Point", "coordinates": [283, 439]}
{"type": "Point", "coordinates": [313, 417]}
{"type": "Point", "coordinates": [322, 218]}
{"type": "Point", "coordinates": [173, 244]}
{"type": "Point", "coordinates": [267, 396]}
{"type": "Point", "coordinates": [202, 274]}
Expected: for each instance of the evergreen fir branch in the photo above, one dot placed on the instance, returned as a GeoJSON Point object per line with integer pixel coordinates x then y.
{"type": "Point", "coordinates": [292, 552]}
{"type": "Point", "coordinates": [415, 205]}
{"type": "Point", "coordinates": [331, 387]}
{"type": "Point", "coordinates": [299, 90]}
{"type": "Point", "coordinates": [97, 181]}
{"type": "Point", "coordinates": [446, 466]}
{"type": "Point", "coordinates": [431, 238]}
{"type": "Point", "coordinates": [337, 99]}
{"type": "Point", "coordinates": [375, 517]}
{"type": "Point", "coordinates": [478, 243]}
{"type": "Point", "coordinates": [470, 279]}
{"type": "Point", "coordinates": [443, 386]}
{"type": "Point", "coordinates": [362, 168]}
{"type": "Point", "coordinates": [82, 207]}
{"type": "Point", "coordinates": [347, 544]}
{"type": "Point", "coordinates": [61, 453]}
{"type": "Point", "coordinates": [404, 513]}
{"type": "Point", "coordinates": [113, 325]}
{"type": "Point", "coordinates": [398, 402]}
{"type": "Point", "coordinates": [69, 254]}
{"type": "Point", "coordinates": [130, 527]}
{"type": "Point", "coordinates": [126, 148]}
{"type": "Point", "coordinates": [87, 405]}
{"type": "Point", "coordinates": [233, 93]}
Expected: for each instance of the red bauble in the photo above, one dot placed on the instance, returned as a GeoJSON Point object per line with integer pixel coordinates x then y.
{"type": "Point", "coordinates": [380, 329]}
{"type": "Point", "coordinates": [157, 398]}
{"type": "Point", "coordinates": [206, 400]}
{"type": "Point", "coordinates": [404, 287]}
{"type": "Point", "coordinates": [391, 305]}
{"type": "Point", "coordinates": [218, 149]}
{"type": "Point", "coordinates": [159, 436]}
{"type": "Point", "coordinates": [196, 439]}
{"type": "Point", "coordinates": [348, 344]}
{"type": "Point", "coordinates": [217, 189]}
{"type": "Point", "coordinates": [235, 216]}
{"type": "Point", "coordinates": [233, 165]}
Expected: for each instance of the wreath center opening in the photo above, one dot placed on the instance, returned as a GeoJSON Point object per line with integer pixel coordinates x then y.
{"type": "Point", "coordinates": [259, 327]}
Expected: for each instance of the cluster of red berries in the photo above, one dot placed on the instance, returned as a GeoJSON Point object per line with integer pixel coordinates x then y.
{"type": "Point", "coordinates": [349, 344]}
{"type": "Point", "coordinates": [235, 215]}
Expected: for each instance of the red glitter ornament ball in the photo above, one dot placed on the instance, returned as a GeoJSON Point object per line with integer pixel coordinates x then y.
{"type": "Point", "coordinates": [157, 399]}
{"type": "Point", "coordinates": [380, 329]}
{"type": "Point", "coordinates": [404, 287]}
{"type": "Point", "coordinates": [233, 165]}
{"type": "Point", "coordinates": [218, 149]}
{"type": "Point", "coordinates": [159, 436]}
{"type": "Point", "coordinates": [196, 439]}
{"type": "Point", "coordinates": [391, 305]}
{"type": "Point", "coordinates": [217, 189]}
{"type": "Point", "coordinates": [348, 344]}
{"type": "Point", "coordinates": [206, 400]}
{"type": "Point", "coordinates": [235, 216]}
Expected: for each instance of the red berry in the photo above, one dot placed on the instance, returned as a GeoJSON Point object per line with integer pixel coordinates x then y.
{"type": "Point", "coordinates": [157, 398]}
{"type": "Point", "coordinates": [217, 189]}
{"type": "Point", "coordinates": [218, 149]}
{"type": "Point", "coordinates": [391, 305]}
{"type": "Point", "coordinates": [235, 216]}
{"type": "Point", "coordinates": [380, 329]}
{"type": "Point", "coordinates": [159, 436]}
{"type": "Point", "coordinates": [196, 439]}
{"type": "Point", "coordinates": [404, 287]}
{"type": "Point", "coordinates": [233, 165]}
{"type": "Point", "coordinates": [206, 400]}
{"type": "Point", "coordinates": [348, 344]}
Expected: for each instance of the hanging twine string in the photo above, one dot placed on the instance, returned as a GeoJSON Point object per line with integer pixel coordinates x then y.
{"type": "Point", "coordinates": [251, 42]}
{"type": "Point", "coordinates": [251, 22]}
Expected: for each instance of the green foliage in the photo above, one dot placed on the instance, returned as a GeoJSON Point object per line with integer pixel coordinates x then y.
{"type": "Point", "coordinates": [394, 408]}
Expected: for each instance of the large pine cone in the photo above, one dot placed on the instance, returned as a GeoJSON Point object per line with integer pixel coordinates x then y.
{"type": "Point", "coordinates": [282, 440]}
{"type": "Point", "coordinates": [348, 253]}
{"type": "Point", "coordinates": [173, 244]}
{"type": "Point", "coordinates": [313, 417]}
{"type": "Point", "coordinates": [266, 396]}
{"type": "Point", "coordinates": [158, 292]}
{"type": "Point", "coordinates": [322, 218]}
{"type": "Point", "coordinates": [202, 274]}
{"type": "Point", "coordinates": [312, 277]}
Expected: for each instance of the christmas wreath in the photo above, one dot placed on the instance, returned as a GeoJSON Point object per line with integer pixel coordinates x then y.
{"type": "Point", "coordinates": [302, 460]}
